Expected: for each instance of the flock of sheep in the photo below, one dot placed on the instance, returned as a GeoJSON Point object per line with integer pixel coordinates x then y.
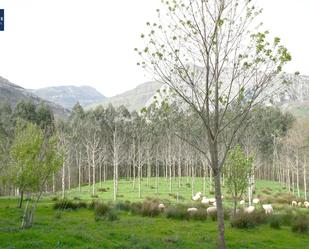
{"type": "Point", "coordinates": [250, 209]}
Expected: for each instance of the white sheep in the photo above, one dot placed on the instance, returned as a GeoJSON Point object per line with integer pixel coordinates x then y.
{"type": "Point", "coordinates": [256, 201]}
{"type": "Point", "coordinates": [211, 210]}
{"type": "Point", "coordinates": [242, 202]}
{"type": "Point", "coordinates": [161, 206]}
{"type": "Point", "coordinates": [205, 201]}
{"type": "Point", "coordinates": [299, 204]}
{"type": "Point", "coordinates": [306, 204]}
{"type": "Point", "coordinates": [249, 210]}
{"type": "Point", "coordinates": [192, 210]}
{"type": "Point", "coordinates": [197, 196]}
{"type": "Point", "coordinates": [294, 203]}
{"type": "Point", "coordinates": [268, 208]}
{"type": "Point", "coordinates": [212, 200]}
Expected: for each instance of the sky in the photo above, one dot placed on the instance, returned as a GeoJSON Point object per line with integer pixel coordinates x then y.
{"type": "Point", "coordinates": [91, 42]}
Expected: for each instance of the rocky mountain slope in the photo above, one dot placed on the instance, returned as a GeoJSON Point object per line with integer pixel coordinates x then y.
{"type": "Point", "coordinates": [134, 99]}
{"type": "Point", "coordinates": [68, 96]}
{"type": "Point", "coordinates": [13, 94]}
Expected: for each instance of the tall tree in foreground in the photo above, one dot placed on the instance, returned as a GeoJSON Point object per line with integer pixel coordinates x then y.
{"type": "Point", "coordinates": [215, 57]}
{"type": "Point", "coordinates": [34, 159]}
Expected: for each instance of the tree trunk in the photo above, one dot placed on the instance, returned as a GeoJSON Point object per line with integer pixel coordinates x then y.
{"type": "Point", "coordinates": [20, 203]}
{"type": "Point", "coordinates": [220, 213]}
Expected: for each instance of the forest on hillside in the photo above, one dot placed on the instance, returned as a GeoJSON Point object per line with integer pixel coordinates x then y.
{"type": "Point", "coordinates": [108, 143]}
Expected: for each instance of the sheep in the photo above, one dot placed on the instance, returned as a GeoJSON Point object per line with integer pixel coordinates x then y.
{"type": "Point", "coordinates": [197, 196]}
{"type": "Point", "coordinates": [192, 210]}
{"type": "Point", "coordinates": [256, 201]}
{"type": "Point", "coordinates": [249, 210]}
{"type": "Point", "coordinates": [306, 204]}
{"type": "Point", "coordinates": [205, 201]}
{"type": "Point", "coordinates": [211, 210]}
{"type": "Point", "coordinates": [215, 204]}
{"type": "Point", "coordinates": [161, 206]}
{"type": "Point", "coordinates": [242, 202]}
{"type": "Point", "coordinates": [299, 204]}
{"type": "Point", "coordinates": [212, 200]}
{"type": "Point", "coordinates": [294, 203]}
{"type": "Point", "coordinates": [268, 208]}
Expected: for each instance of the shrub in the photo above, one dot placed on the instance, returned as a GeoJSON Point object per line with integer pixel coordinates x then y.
{"type": "Point", "coordinates": [103, 189]}
{"type": "Point", "coordinates": [275, 222]}
{"type": "Point", "coordinates": [81, 204]}
{"type": "Point", "coordinates": [94, 196]}
{"type": "Point", "coordinates": [76, 198]}
{"type": "Point", "coordinates": [188, 185]}
{"type": "Point", "coordinates": [111, 215]}
{"type": "Point", "coordinates": [243, 221]}
{"type": "Point", "coordinates": [212, 192]}
{"type": "Point", "coordinates": [201, 214]}
{"type": "Point", "coordinates": [101, 210]}
{"type": "Point", "coordinates": [300, 225]}
{"type": "Point", "coordinates": [266, 191]}
{"type": "Point", "coordinates": [136, 207]}
{"type": "Point", "coordinates": [92, 204]}
{"type": "Point", "coordinates": [150, 208]}
{"type": "Point", "coordinates": [125, 206]}
{"type": "Point", "coordinates": [65, 204]}
{"type": "Point", "coordinates": [177, 212]}
{"type": "Point", "coordinates": [287, 218]}
{"type": "Point", "coordinates": [55, 198]}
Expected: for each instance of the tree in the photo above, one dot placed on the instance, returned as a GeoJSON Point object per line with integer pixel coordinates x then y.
{"type": "Point", "coordinates": [212, 57]}
{"type": "Point", "coordinates": [34, 159]}
{"type": "Point", "coordinates": [238, 168]}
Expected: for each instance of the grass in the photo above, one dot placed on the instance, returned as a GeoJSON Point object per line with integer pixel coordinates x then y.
{"type": "Point", "coordinates": [126, 191]}
{"type": "Point", "coordinates": [79, 228]}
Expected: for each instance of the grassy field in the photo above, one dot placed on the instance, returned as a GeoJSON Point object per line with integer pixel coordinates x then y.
{"type": "Point", "coordinates": [126, 191]}
{"type": "Point", "coordinates": [79, 229]}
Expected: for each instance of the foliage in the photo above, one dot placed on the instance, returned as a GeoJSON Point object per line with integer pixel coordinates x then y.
{"type": "Point", "coordinates": [238, 167]}
{"type": "Point", "coordinates": [178, 212]}
{"type": "Point", "coordinates": [301, 225]}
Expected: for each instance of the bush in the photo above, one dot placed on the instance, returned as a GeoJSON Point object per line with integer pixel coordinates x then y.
{"type": "Point", "coordinates": [177, 212]}
{"type": "Point", "coordinates": [275, 222]}
{"type": "Point", "coordinates": [188, 185]}
{"type": "Point", "coordinates": [76, 198]}
{"type": "Point", "coordinates": [124, 206]}
{"type": "Point", "coordinates": [243, 221]}
{"type": "Point", "coordinates": [103, 189]}
{"type": "Point", "coordinates": [104, 212]}
{"type": "Point", "coordinates": [266, 191]}
{"type": "Point", "coordinates": [150, 208]}
{"type": "Point", "coordinates": [201, 214]}
{"type": "Point", "coordinates": [65, 204]}
{"type": "Point", "coordinates": [81, 204]}
{"type": "Point", "coordinates": [92, 204]}
{"type": "Point", "coordinates": [94, 196]}
{"type": "Point", "coordinates": [55, 198]}
{"type": "Point", "coordinates": [300, 225]}
{"type": "Point", "coordinates": [136, 207]}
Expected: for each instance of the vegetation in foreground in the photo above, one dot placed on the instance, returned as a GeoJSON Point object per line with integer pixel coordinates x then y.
{"type": "Point", "coordinates": [79, 229]}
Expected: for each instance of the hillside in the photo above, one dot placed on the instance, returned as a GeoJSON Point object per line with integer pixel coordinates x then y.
{"type": "Point", "coordinates": [134, 99]}
{"type": "Point", "coordinates": [68, 96]}
{"type": "Point", "coordinates": [13, 94]}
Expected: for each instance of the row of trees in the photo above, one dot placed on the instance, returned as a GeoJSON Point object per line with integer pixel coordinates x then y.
{"type": "Point", "coordinates": [159, 142]}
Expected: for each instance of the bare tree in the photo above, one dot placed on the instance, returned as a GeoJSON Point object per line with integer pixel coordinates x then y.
{"type": "Point", "coordinates": [206, 53]}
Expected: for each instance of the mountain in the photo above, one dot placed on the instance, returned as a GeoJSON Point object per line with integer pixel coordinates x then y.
{"type": "Point", "coordinates": [68, 96]}
{"type": "Point", "coordinates": [134, 99]}
{"type": "Point", "coordinates": [13, 94]}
